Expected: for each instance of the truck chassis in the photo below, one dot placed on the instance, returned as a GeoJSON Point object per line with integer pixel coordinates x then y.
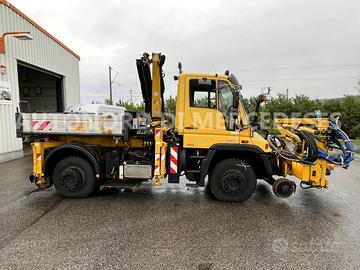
{"type": "Point", "coordinates": [101, 145]}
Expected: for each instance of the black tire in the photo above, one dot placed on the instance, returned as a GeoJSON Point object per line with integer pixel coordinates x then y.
{"type": "Point", "coordinates": [233, 180]}
{"type": "Point", "coordinates": [74, 177]}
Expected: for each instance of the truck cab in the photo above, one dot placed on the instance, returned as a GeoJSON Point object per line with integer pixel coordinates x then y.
{"type": "Point", "coordinates": [212, 125]}
{"type": "Point", "coordinates": [210, 110]}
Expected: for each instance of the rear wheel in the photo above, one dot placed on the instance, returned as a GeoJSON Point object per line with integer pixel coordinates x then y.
{"type": "Point", "coordinates": [233, 180]}
{"type": "Point", "coordinates": [74, 177]}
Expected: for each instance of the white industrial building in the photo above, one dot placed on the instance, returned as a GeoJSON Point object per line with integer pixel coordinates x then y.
{"type": "Point", "coordinates": [37, 71]}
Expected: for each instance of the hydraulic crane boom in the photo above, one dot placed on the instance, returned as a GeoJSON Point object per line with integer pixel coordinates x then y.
{"type": "Point", "coordinates": [152, 87]}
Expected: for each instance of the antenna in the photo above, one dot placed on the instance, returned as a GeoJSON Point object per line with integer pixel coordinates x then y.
{"type": "Point", "coordinates": [110, 84]}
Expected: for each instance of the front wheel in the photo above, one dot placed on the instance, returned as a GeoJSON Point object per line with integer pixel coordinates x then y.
{"type": "Point", "coordinates": [74, 177]}
{"type": "Point", "coordinates": [233, 180]}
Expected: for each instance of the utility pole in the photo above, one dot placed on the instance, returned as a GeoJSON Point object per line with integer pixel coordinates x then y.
{"type": "Point", "coordinates": [110, 84]}
{"type": "Point", "coordinates": [287, 93]}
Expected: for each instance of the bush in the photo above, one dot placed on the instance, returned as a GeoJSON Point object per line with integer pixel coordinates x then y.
{"type": "Point", "coordinates": [300, 105]}
{"type": "Point", "coordinates": [355, 132]}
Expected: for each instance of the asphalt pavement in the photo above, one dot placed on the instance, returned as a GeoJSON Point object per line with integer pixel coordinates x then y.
{"type": "Point", "coordinates": [175, 227]}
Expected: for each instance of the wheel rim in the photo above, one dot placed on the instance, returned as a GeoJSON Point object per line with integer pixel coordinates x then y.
{"type": "Point", "coordinates": [283, 188]}
{"type": "Point", "coordinates": [71, 179]}
{"type": "Point", "coordinates": [234, 183]}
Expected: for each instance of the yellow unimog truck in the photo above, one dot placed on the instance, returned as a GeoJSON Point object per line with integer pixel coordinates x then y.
{"type": "Point", "coordinates": [211, 137]}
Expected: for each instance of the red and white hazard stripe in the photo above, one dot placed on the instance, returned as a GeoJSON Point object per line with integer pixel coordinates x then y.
{"type": "Point", "coordinates": [157, 132]}
{"type": "Point", "coordinates": [41, 125]}
{"type": "Point", "coordinates": [174, 159]}
{"type": "Point", "coordinates": [157, 163]}
{"type": "Point", "coordinates": [38, 157]}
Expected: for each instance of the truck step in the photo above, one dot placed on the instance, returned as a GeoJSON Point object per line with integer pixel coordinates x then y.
{"type": "Point", "coordinates": [192, 171]}
{"type": "Point", "coordinates": [112, 184]}
{"type": "Point", "coordinates": [197, 157]}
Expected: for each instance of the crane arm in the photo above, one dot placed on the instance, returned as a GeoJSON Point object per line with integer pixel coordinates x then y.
{"type": "Point", "coordinates": [152, 83]}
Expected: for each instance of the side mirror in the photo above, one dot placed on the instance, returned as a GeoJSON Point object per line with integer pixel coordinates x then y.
{"type": "Point", "coordinates": [236, 99]}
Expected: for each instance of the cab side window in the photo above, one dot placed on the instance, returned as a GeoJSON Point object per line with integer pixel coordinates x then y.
{"type": "Point", "coordinates": [203, 93]}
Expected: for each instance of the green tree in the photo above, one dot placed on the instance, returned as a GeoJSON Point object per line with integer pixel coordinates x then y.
{"type": "Point", "coordinates": [249, 104]}
{"type": "Point", "coordinates": [350, 115]}
{"type": "Point", "coordinates": [279, 104]}
{"type": "Point", "coordinates": [131, 106]}
{"type": "Point", "coordinates": [108, 101]}
{"type": "Point", "coordinates": [304, 105]}
{"type": "Point", "coordinates": [170, 105]}
{"type": "Point", "coordinates": [332, 105]}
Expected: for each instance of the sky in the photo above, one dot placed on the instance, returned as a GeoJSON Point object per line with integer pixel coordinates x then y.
{"type": "Point", "coordinates": [309, 47]}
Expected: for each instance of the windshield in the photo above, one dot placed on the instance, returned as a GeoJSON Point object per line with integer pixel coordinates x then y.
{"type": "Point", "coordinates": [225, 97]}
{"type": "Point", "coordinates": [235, 83]}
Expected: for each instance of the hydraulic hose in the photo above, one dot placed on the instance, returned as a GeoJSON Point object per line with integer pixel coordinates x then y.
{"type": "Point", "coordinates": [347, 148]}
{"type": "Point", "coordinates": [311, 149]}
{"type": "Point", "coordinates": [310, 154]}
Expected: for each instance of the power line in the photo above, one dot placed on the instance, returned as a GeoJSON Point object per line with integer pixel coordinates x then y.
{"type": "Point", "coordinates": [298, 67]}
{"type": "Point", "coordinates": [117, 83]}
{"type": "Point", "coordinates": [112, 81]}
{"type": "Point", "coordinates": [299, 79]}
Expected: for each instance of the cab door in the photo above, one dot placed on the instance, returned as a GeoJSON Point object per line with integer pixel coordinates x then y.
{"type": "Point", "coordinates": [204, 123]}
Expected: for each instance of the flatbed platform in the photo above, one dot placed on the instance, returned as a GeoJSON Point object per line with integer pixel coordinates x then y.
{"type": "Point", "coordinates": [91, 120]}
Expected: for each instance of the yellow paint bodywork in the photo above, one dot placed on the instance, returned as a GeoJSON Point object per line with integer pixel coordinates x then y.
{"type": "Point", "coordinates": [204, 127]}
{"type": "Point", "coordinates": [160, 155]}
{"type": "Point", "coordinates": [156, 101]}
{"type": "Point", "coordinates": [38, 149]}
{"type": "Point", "coordinates": [313, 174]}
{"type": "Point", "coordinates": [105, 141]}
{"type": "Point", "coordinates": [257, 140]}
{"type": "Point", "coordinates": [157, 158]}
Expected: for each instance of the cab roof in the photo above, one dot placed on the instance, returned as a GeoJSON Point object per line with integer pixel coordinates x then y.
{"type": "Point", "coordinates": [212, 75]}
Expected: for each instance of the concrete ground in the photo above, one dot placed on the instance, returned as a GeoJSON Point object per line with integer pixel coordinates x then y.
{"type": "Point", "coordinates": [174, 227]}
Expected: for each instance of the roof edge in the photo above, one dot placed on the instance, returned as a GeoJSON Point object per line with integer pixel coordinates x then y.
{"type": "Point", "coordinates": [8, 4]}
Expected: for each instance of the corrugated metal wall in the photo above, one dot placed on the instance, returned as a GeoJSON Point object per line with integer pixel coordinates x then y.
{"type": "Point", "coordinates": [42, 52]}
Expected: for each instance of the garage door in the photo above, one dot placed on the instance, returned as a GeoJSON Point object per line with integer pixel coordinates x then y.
{"type": "Point", "coordinates": [40, 90]}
